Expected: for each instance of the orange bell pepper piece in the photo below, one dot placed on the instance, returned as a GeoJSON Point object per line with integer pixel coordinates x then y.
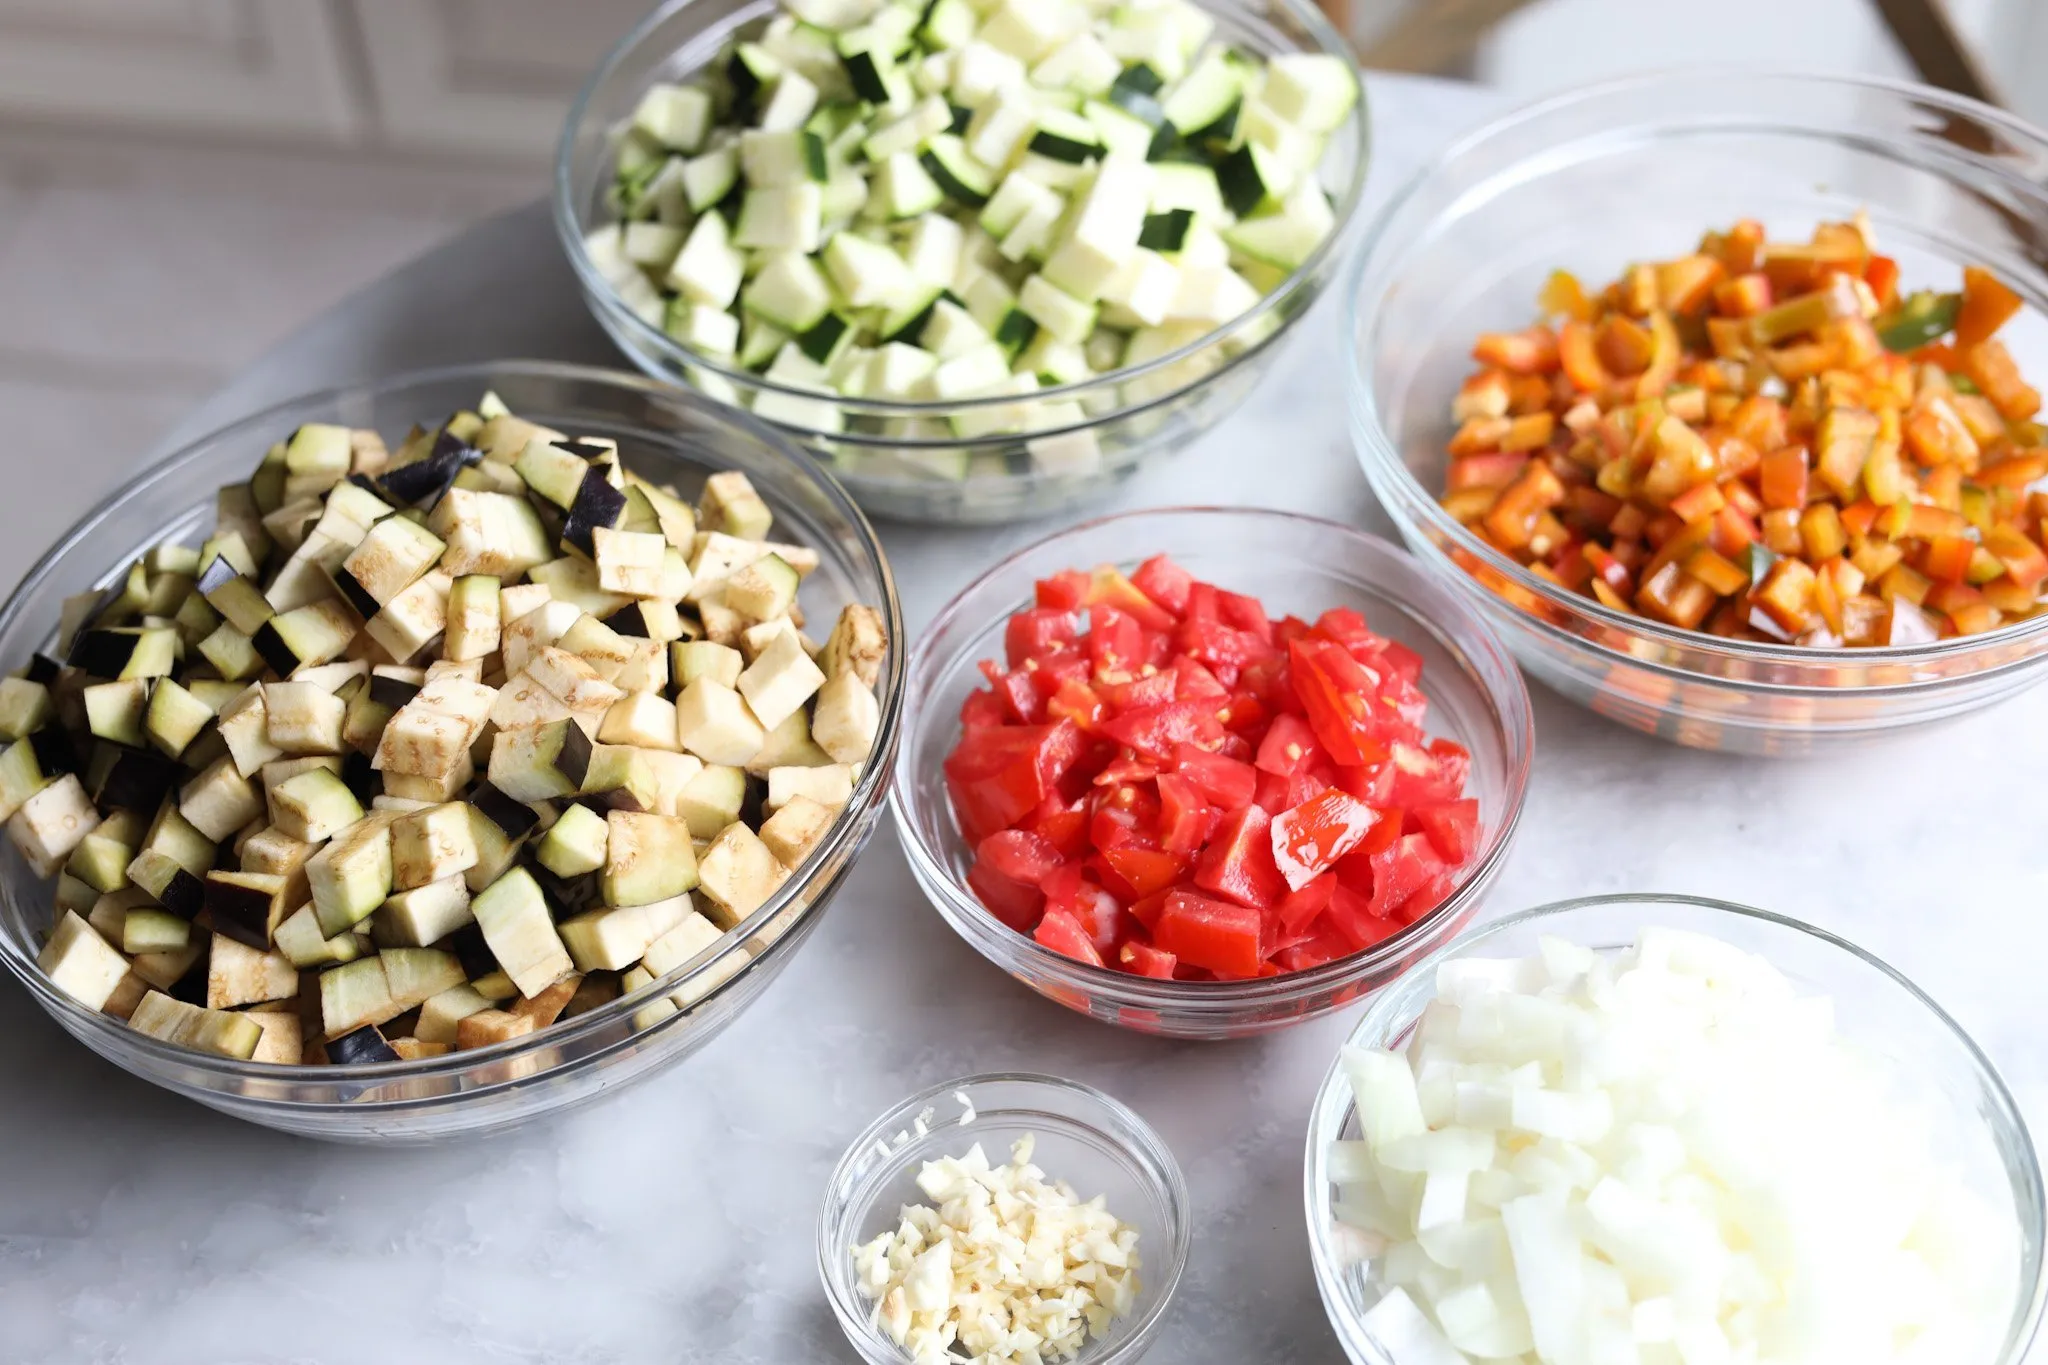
{"type": "Point", "coordinates": [1987, 306]}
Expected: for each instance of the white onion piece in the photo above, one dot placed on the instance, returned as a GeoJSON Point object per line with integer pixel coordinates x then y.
{"type": "Point", "coordinates": [1662, 1156]}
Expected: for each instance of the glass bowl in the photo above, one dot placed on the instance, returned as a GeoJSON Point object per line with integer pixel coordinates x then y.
{"type": "Point", "coordinates": [1047, 453]}
{"type": "Point", "coordinates": [1636, 169]}
{"type": "Point", "coordinates": [1294, 564]}
{"type": "Point", "coordinates": [665, 433]}
{"type": "Point", "coordinates": [1082, 1137]}
{"type": "Point", "coordinates": [1978, 1126]}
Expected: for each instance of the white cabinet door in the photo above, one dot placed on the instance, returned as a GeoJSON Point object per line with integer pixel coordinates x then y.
{"type": "Point", "coordinates": [263, 68]}
{"type": "Point", "coordinates": [484, 75]}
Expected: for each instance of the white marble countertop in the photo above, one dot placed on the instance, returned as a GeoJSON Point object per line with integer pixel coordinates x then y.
{"type": "Point", "coordinates": [676, 1222]}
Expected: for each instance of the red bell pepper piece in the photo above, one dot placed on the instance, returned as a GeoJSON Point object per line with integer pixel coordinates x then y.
{"type": "Point", "coordinates": [1165, 582]}
{"type": "Point", "coordinates": [1452, 828]}
{"type": "Point", "coordinates": [1309, 839]}
{"type": "Point", "coordinates": [1062, 933]}
{"type": "Point", "coordinates": [1238, 863]}
{"type": "Point", "coordinates": [1215, 934]}
{"type": "Point", "coordinates": [1142, 959]}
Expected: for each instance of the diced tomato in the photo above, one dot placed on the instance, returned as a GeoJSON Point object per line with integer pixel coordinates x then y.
{"type": "Point", "coordinates": [1238, 863]}
{"type": "Point", "coordinates": [1036, 633]}
{"type": "Point", "coordinates": [1136, 873]}
{"type": "Point", "coordinates": [1289, 746]}
{"type": "Point", "coordinates": [1159, 731]}
{"type": "Point", "coordinates": [1400, 870]}
{"type": "Point", "coordinates": [1142, 959]}
{"type": "Point", "coordinates": [1189, 789]}
{"type": "Point", "coordinates": [1302, 906]}
{"type": "Point", "coordinates": [1070, 891]}
{"type": "Point", "coordinates": [1066, 590]}
{"type": "Point", "coordinates": [1108, 587]}
{"type": "Point", "coordinates": [1165, 582]}
{"type": "Point", "coordinates": [1062, 933]}
{"type": "Point", "coordinates": [1452, 827]}
{"type": "Point", "coordinates": [1185, 819]}
{"type": "Point", "coordinates": [1021, 700]}
{"type": "Point", "coordinates": [1245, 614]}
{"type": "Point", "coordinates": [1339, 696]}
{"type": "Point", "coordinates": [1219, 645]}
{"type": "Point", "coordinates": [1225, 782]}
{"type": "Point", "coordinates": [1216, 934]}
{"type": "Point", "coordinates": [1309, 839]}
{"type": "Point", "coordinates": [998, 774]}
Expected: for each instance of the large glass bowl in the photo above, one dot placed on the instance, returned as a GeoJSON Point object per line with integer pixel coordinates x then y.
{"type": "Point", "coordinates": [1636, 170]}
{"type": "Point", "coordinates": [1080, 1135]}
{"type": "Point", "coordinates": [663, 433]}
{"type": "Point", "coordinates": [904, 459]}
{"type": "Point", "coordinates": [1976, 1125]}
{"type": "Point", "coordinates": [1293, 564]}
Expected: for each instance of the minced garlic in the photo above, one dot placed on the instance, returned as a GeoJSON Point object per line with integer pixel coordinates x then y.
{"type": "Point", "coordinates": [1008, 1269]}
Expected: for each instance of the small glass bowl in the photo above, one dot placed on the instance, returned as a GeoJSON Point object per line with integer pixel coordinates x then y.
{"type": "Point", "coordinates": [1294, 564]}
{"type": "Point", "coordinates": [1045, 453]}
{"type": "Point", "coordinates": [1082, 1136]}
{"type": "Point", "coordinates": [1638, 168]}
{"type": "Point", "coordinates": [1978, 1127]}
{"type": "Point", "coordinates": [664, 433]}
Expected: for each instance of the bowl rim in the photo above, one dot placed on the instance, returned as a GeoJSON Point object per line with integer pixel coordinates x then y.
{"type": "Point", "coordinates": [1512, 706]}
{"type": "Point", "coordinates": [1331, 250]}
{"type": "Point", "coordinates": [1405, 495]}
{"type": "Point", "coordinates": [854, 824]}
{"type": "Point", "coordinates": [1332, 1096]}
{"type": "Point", "coordinates": [1149, 1148]}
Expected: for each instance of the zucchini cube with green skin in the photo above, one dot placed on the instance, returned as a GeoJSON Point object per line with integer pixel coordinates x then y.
{"type": "Point", "coordinates": [80, 963]}
{"type": "Point", "coordinates": [239, 974]}
{"type": "Point", "coordinates": [314, 806]}
{"type": "Point", "coordinates": [677, 117]}
{"type": "Point", "coordinates": [521, 933]}
{"type": "Point", "coordinates": [574, 844]}
{"type": "Point", "coordinates": [422, 915]}
{"type": "Point", "coordinates": [777, 684]}
{"type": "Point", "coordinates": [614, 939]}
{"type": "Point", "coordinates": [144, 930]}
{"type": "Point", "coordinates": [432, 844]}
{"type": "Point", "coordinates": [24, 708]}
{"type": "Point", "coordinates": [245, 906]}
{"type": "Point", "coordinates": [648, 858]}
{"type": "Point", "coordinates": [738, 874]}
{"type": "Point", "coordinates": [351, 876]}
{"type": "Point", "coordinates": [714, 722]}
{"type": "Point", "coordinates": [114, 711]}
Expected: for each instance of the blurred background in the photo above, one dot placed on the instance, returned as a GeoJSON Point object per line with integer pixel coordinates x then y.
{"type": "Point", "coordinates": [183, 182]}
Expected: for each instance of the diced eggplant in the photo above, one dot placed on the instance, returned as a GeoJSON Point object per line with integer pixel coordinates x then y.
{"type": "Point", "coordinates": [540, 762]}
{"type": "Point", "coordinates": [356, 994]}
{"type": "Point", "coordinates": [738, 874]}
{"type": "Point", "coordinates": [51, 824]}
{"type": "Point", "coordinates": [25, 707]}
{"type": "Point", "coordinates": [245, 906]}
{"type": "Point", "coordinates": [521, 933]}
{"type": "Point", "coordinates": [490, 1026]}
{"type": "Point", "coordinates": [597, 505]}
{"type": "Point", "coordinates": [575, 844]}
{"type": "Point", "coordinates": [351, 876]}
{"type": "Point", "coordinates": [614, 939]}
{"type": "Point", "coordinates": [314, 806]}
{"type": "Point", "coordinates": [360, 1047]}
{"type": "Point", "coordinates": [135, 779]}
{"type": "Point", "coordinates": [304, 636]}
{"type": "Point", "coordinates": [175, 717]}
{"type": "Point", "coordinates": [424, 915]}
{"type": "Point", "coordinates": [649, 857]}
{"type": "Point", "coordinates": [798, 827]}
{"type": "Point", "coordinates": [126, 652]}
{"type": "Point", "coordinates": [80, 963]}
{"type": "Point", "coordinates": [440, 1014]}
{"type": "Point", "coordinates": [239, 974]}
{"type": "Point", "coordinates": [421, 482]}
{"type": "Point", "coordinates": [283, 1040]}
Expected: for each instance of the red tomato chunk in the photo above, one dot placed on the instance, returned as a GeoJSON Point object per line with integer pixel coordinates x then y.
{"type": "Point", "coordinates": [1162, 779]}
